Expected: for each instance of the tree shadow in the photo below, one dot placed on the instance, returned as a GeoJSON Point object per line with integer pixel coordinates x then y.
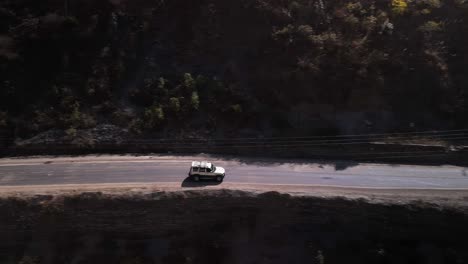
{"type": "Point", "coordinates": [343, 165]}
{"type": "Point", "coordinates": [188, 182]}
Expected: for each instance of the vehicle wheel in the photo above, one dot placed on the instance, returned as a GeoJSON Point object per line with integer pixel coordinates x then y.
{"type": "Point", "coordinates": [219, 179]}
{"type": "Point", "coordinates": [196, 178]}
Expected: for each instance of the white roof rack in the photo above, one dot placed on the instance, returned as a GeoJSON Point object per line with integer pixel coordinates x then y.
{"type": "Point", "coordinates": [203, 164]}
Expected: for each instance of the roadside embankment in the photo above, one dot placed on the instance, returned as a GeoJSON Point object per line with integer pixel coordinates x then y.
{"type": "Point", "coordinates": [145, 225]}
{"type": "Point", "coordinates": [435, 154]}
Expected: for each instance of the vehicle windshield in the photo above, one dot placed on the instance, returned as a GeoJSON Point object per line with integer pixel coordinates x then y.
{"type": "Point", "coordinates": [213, 168]}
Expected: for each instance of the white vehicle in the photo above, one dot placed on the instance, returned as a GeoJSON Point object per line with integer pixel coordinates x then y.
{"type": "Point", "coordinates": [206, 170]}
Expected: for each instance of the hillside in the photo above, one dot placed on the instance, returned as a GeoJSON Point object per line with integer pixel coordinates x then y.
{"type": "Point", "coordinates": [221, 68]}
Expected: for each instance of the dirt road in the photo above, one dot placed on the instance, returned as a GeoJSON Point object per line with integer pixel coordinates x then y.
{"type": "Point", "coordinates": [173, 169]}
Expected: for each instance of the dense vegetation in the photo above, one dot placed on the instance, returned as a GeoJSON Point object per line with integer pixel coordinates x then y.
{"type": "Point", "coordinates": [219, 67]}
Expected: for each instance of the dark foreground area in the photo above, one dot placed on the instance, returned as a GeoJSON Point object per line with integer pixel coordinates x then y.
{"type": "Point", "coordinates": [227, 227]}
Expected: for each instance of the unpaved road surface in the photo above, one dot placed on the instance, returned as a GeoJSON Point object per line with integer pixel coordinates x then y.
{"type": "Point", "coordinates": [173, 169]}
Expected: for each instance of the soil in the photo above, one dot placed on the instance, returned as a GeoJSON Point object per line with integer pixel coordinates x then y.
{"type": "Point", "coordinates": [239, 224]}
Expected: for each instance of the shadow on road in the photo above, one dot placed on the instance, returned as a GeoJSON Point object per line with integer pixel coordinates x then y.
{"type": "Point", "coordinates": [343, 165]}
{"type": "Point", "coordinates": [190, 183]}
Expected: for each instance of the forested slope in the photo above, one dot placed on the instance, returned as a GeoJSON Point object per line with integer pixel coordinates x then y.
{"type": "Point", "coordinates": [215, 67]}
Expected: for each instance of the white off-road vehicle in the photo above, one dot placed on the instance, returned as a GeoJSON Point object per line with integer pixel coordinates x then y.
{"type": "Point", "coordinates": [206, 170]}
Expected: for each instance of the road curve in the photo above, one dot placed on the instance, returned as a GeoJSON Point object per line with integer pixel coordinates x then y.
{"type": "Point", "coordinates": [173, 169]}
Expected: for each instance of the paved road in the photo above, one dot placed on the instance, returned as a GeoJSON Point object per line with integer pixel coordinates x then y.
{"type": "Point", "coordinates": [159, 169]}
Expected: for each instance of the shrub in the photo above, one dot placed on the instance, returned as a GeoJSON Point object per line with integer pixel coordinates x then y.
{"type": "Point", "coordinates": [73, 117]}
{"type": "Point", "coordinates": [79, 119]}
{"type": "Point", "coordinates": [174, 104]}
{"type": "Point", "coordinates": [284, 34]}
{"type": "Point", "coordinates": [461, 3]}
{"type": "Point", "coordinates": [354, 7]}
{"type": "Point", "coordinates": [433, 3]}
{"type": "Point", "coordinates": [28, 260]}
{"type": "Point", "coordinates": [136, 126]}
{"type": "Point", "coordinates": [369, 23]}
{"type": "Point", "coordinates": [325, 39]}
{"type": "Point", "coordinates": [351, 20]}
{"type": "Point", "coordinates": [189, 82]}
{"type": "Point", "coordinates": [195, 100]}
{"type": "Point", "coordinates": [431, 26]}
{"type": "Point", "coordinates": [236, 108]}
{"type": "Point", "coordinates": [121, 118]}
{"type": "Point", "coordinates": [294, 6]}
{"type": "Point", "coordinates": [162, 83]}
{"type": "Point", "coordinates": [148, 82]}
{"type": "Point", "coordinates": [43, 120]}
{"type": "Point", "coordinates": [106, 107]}
{"type": "Point", "coordinates": [153, 116]}
{"type": "Point", "coordinates": [425, 11]}
{"type": "Point", "coordinates": [161, 88]}
{"type": "Point", "coordinates": [305, 30]}
{"type": "Point", "coordinates": [84, 140]}
{"type": "Point", "coordinates": [71, 132]}
{"type": "Point", "coordinates": [320, 258]}
{"type": "Point", "coordinates": [399, 6]}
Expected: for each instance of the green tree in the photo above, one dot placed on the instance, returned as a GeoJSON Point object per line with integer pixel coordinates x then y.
{"type": "Point", "coordinates": [320, 258]}
{"type": "Point", "coordinates": [77, 119]}
{"type": "Point", "coordinates": [195, 100]}
{"type": "Point", "coordinates": [72, 117]}
{"type": "Point", "coordinates": [174, 104]}
{"type": "Point", "coordinates": [153, 116]}
{"type": "Point", "coordinates": [162, 86]}
{"type": "Point", "coordinates": [189, 82]}
{"type": "Point", "coordinates": [162, 83]}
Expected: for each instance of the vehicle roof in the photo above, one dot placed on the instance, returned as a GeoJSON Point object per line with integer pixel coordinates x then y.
{"type": "Point", "coordinates": [202, 164]}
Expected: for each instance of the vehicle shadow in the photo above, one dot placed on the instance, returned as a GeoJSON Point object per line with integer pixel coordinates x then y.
{"type": "Point", "coordinates": [188, 182]}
